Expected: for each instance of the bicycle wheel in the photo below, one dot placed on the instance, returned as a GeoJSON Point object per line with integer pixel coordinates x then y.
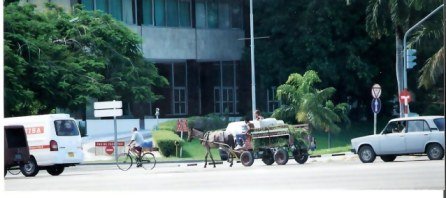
{"type": "Point", "coordinates": [148, 161]}
{"type": "Point", "coordinates": [14, 170]}
{"type": "Point", "coordinates": [124, 162]}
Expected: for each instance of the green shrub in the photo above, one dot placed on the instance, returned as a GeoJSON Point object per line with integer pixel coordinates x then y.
{"type": "Point", "coordinates": [208, 123]}
{"type": "Point", "coordinates": [165, 140]}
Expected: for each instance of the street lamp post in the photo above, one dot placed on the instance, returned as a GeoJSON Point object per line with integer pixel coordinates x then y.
{"type": "Point", "coordinates": [253, 78]}
{"type": "Point", "coordinates": [405, 46]}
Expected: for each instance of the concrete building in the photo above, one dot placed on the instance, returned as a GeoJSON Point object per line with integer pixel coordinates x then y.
{"type": "Point", "coordinates": [195, 44]}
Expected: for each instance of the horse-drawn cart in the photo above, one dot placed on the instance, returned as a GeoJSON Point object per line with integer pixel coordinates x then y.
{"type": "Point", "coordinates": [275, 144]}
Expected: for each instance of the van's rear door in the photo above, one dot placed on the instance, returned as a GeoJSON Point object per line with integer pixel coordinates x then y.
{"type": "Point", "coordinates": [69, 141]}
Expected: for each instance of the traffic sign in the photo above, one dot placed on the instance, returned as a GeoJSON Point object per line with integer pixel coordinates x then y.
{"type": "Point", "coordinates": [376, 105]}
{"type": "Point", "coordinates": [109, 149]}
{"type": "Point", "coordinates": [107, 113]}
{"type": "Point", "coordinates": [405, 97]}
{"type": "Point", "coordinates": [108, 105]}
{"type": "Point", "coordinates": [376, 91]}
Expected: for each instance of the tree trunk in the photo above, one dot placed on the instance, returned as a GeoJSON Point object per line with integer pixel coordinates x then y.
{"type": "Point", "coordinates": [399, 67]}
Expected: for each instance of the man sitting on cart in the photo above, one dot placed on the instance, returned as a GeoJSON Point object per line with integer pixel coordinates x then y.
{"type": "Point", "coordinates": [243, 140]}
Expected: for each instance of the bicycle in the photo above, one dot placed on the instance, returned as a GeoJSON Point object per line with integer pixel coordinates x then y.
{"type": "Point", "coordinates": [125, 160]}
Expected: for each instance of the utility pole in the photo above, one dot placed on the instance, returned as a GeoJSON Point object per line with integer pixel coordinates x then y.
{"type": "Point", "coordinates": [253, 77]}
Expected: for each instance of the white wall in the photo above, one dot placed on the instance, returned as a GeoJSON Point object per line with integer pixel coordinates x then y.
{"type": "Point", "coordinates": [104, 127]}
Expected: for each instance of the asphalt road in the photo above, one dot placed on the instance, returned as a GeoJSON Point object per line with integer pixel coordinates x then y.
{"type": "Point", "coordinates": [343, 173]}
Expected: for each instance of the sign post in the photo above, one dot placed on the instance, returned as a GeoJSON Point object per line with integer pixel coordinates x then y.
{"type": "Point", "coordinates": [181, 127]}
{"type": "Point", "coordinates": [109, 109]}
{"type": "Point", "coordinates": [376, 104]}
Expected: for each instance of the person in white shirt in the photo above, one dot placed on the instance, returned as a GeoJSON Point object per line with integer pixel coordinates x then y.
{"type": "Point", "coordinates": [138, 139]}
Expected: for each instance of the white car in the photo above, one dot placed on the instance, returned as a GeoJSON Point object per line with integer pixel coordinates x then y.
{"type": "Point", "coordinates": [402, 136]}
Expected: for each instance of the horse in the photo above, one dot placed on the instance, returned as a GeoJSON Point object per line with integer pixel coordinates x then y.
{"type": "Point", "coordinates": [215, 139]}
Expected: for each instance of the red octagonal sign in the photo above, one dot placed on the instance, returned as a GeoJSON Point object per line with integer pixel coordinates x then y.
{"type": "Point", "coordinates": [109, 149]}
{"type": "Point", "coordinates": [405, 97]}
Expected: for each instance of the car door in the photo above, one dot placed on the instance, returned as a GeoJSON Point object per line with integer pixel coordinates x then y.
{"type": "Point", "coordinates": [392, 140]}
{"type": "Point", "coordinates": [418, 133]}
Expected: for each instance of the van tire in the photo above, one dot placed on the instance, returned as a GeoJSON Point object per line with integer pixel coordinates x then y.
{"type": "Point", "coordinates": [55, 170]}
{"type": "Point", "coordinates": [30, 169]}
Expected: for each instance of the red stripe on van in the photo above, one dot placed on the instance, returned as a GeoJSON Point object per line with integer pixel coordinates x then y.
{"type": "Point", "coordinates": [39, 147]}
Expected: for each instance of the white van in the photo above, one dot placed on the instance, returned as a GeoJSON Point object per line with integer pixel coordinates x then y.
{"type": "Point", "coordinates": [54, 142]}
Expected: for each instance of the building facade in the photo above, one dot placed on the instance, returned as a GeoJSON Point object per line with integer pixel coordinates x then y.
{"type": "Point", "coordinates": [196, 44]}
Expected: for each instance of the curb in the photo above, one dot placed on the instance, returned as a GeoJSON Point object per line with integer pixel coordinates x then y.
{"type": "Point", "coordinates": [195, 162]}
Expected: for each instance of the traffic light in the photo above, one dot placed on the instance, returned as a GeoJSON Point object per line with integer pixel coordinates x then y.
{"type": "Point", "coordinates": [410, 60]}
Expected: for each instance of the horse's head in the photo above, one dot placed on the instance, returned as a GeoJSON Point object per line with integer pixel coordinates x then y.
{"type": "Point", "coordinates": [194, 133]}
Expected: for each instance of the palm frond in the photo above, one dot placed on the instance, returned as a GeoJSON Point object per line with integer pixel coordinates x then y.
{"type": "Point", "coordinates": [432, 69]}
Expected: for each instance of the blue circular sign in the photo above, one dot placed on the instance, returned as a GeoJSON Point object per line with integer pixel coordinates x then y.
{"type": "Point", "coordinates": [376, 105]}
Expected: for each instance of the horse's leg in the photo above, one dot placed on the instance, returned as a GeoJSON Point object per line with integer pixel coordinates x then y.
{"type": "Point", "coordinates": [210, 154]}
{"type": "Point", "coordinates": [206, 157]}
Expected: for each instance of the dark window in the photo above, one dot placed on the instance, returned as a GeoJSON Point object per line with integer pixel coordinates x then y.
{"type": "Point", "coordinates": [212, 11]}
{"type": "Point", "coordinates": [440, 123]}
{"type": "Point", "coordinates": [88, 4]}
{"type": "Point", "coordinates": [147, 12]}
{"type": "Point", "coordinates": [184, 13]}
{"type": "Point", "coordinates": [102, 5]}
{"type": "Point", "coordinates": [236, 14]}
{"type": "Point", "coordinates": [15, 136]}
{"type": "Point", "coordinates": [200, 14]}
{"type": "Point", "coordinates": [172, 13]}
{"type": "Point", "coordinates": [160, 13]}
{"type": "Point", "coordinates": [129, 12]}
{"type": "Point", "coordinates": [116, 9]}
{"type": "Point", "coordinates": [66, 128]}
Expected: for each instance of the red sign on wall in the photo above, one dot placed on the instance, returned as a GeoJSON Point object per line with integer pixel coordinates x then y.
{"type": "Point", "coordinates": [107, 148]}
{"type": "Point", "coordinates": [104, 144]}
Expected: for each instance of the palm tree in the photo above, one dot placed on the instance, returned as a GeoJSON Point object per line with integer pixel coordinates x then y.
{"type": "Point", "coordinates": [306, 104]}
{"type": "Point", "coordinates": [434, 66]}
{"type": "Point", "coordinates": [385, 17]}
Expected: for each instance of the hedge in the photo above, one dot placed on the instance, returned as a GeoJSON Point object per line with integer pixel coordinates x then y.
{"type": "Point", "coordinates": [165, 140]}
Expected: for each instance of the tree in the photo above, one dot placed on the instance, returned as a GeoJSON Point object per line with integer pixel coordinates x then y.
{"type": "Point", "coordinates": [385, 18]}
{"type": "Point", "coordinates": [427, 39]}
{"type": "Point", "coordinates": [317, 35]}
{"type": "Point", "coordinates": [55, 59]}
{"type": "Point", "coordinates": [306, 104]}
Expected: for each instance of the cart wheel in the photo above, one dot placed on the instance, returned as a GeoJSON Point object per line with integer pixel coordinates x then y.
{"type": "Point", "coordinates": [268, 157]}
{"type": "Point", "coordinates": [301, 158]}
{"type": "Point", "coordinates": [246, 158]}
{"type": "Point", "coordinates": [281, 157]}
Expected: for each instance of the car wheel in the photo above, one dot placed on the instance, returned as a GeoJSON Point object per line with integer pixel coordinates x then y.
{"type": "Point", "coordinates": [388, 158]}
{"type": "Point", "coordinates": [366, 154]}
{"type": "Point", "coordinates": [435, 152]}
{"type": "Point", "coordinates": [55, 170]}
{"type": "Point", "coordinates": [30, 169]}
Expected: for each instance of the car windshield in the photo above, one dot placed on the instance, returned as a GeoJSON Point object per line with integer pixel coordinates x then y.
{"type": "Point", "coordinates": [66, 128]}
{"type": "Point", "coordinates": [440, 123]}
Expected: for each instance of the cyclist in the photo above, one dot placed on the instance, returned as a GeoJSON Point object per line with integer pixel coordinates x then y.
{"type": "Point", "coordinates": [140, 143]}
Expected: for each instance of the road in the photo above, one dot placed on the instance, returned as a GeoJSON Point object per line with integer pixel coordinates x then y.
{"type": "Point", "coordinates": [410, 172]}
